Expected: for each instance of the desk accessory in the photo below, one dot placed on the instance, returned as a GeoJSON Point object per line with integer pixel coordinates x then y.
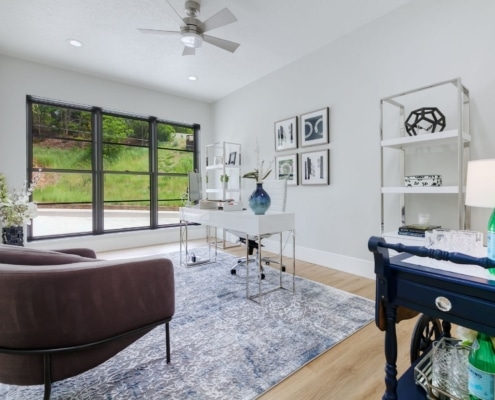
{"type": "Point", "coordinates": [208, 205]}
{"type": "Point", "coordinates": [233, 206]}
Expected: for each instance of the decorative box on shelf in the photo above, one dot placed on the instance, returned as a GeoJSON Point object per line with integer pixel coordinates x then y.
{"type": "Point", "coordinates": [422, 180]}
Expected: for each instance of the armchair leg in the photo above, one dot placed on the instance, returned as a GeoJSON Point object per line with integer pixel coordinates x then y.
{"type": "Point", "coordinates": [47, 368]}
{"type": "Point", "coordinates": [167, 339]}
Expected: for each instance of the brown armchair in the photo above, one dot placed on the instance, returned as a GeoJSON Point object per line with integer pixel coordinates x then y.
{"type": "Point", "coordinates": [63, 313]}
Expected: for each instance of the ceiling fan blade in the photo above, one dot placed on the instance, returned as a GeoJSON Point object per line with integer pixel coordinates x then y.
{"type": "Point", "coordinates": [175, 14]}
{"type": "Point", "coordinates": [188, 51]}
{"type": "Point", "coordinates": [221, 18]}
{"type": "Point", "coordinates": [157, 31]}
{"type": "Point", "coordinates": [222, 43]}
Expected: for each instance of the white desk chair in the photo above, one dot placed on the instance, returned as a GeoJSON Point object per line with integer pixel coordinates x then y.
{"type": "Point", "coordinates": [277, 190]}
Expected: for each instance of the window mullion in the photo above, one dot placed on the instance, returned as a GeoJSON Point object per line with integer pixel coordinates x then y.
{"type": "Point", "coordinates": [98, 177]}
{"type": "Point", "coordinates": [153, 153]}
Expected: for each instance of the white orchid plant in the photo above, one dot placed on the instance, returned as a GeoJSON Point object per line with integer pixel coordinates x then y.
{"type": "Point", "coordinates": [15, 207]}
{"type": "Point", "coordinates": [260, 173]}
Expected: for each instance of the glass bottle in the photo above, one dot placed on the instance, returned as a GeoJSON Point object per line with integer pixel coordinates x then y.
{"type": "Point", "coordinates": [490, 239]}
{"type": "Point", "coordinates": [481, 369]}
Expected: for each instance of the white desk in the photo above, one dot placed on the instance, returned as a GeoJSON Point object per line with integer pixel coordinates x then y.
{"type": "Point", "coordinates": [250, 224]}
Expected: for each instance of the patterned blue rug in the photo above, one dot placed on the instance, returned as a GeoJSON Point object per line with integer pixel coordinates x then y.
{"type": "Point", "coordinates": [223, 345]}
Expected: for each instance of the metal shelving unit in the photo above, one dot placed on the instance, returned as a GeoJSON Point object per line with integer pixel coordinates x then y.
{"type": "Point", "coordinates": [222, 159]}
{"type": "Point", "coordinates": [424, 154]}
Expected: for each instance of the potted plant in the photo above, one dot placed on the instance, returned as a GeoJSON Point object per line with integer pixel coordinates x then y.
{"type": "Point", "coordinates": [224, 178]}
{"type": "Point", "coordinates": [15, 210]}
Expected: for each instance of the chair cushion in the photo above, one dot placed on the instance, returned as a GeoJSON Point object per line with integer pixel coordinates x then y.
{"type": "Point", "coordinates": [18, 255]}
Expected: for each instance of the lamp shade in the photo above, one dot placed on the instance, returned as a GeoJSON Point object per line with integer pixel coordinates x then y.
{"type": "Point", "coordinates": [480, 183]}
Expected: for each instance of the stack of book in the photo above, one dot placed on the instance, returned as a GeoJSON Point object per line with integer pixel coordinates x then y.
{"type": "Point", "coordinates": [417, 230]}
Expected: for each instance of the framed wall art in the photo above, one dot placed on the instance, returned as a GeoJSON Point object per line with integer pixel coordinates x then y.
{"type": "Point", "coordinates": [232, 158]}
{"type": "Point", "coordinates": [286, 134]}
{"type": "Point", "coordinates": [286, 168]}
{"type": "Point", "coordinates": [314, 127]}
{"type": "Point", "coordinates": [315, 168]}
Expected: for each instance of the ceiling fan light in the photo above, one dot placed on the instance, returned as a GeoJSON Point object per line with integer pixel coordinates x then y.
{"type": "Point", "coordinates": [191, 39]}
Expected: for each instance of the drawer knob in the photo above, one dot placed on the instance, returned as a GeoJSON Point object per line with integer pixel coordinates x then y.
{"type": "Point", "coordinates": [443, 304]}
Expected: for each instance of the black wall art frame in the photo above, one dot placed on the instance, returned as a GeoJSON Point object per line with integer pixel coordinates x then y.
{"type": "Point", "coordinates": [315, 167]}
{"type": "Point", "coordinates": [286, 168]}
{"type": "Point", "coordinates": [314, 127]}
{"type": "Point", "coordinates": [232, 158]}
{"type": "Point", "coordinates": [286, 134]}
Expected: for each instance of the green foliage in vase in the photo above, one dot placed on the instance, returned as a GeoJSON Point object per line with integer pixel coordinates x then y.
{"type": "Point", "coordinates": [224, 178]}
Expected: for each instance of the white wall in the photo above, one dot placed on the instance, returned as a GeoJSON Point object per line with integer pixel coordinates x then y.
{"type": "Point", "coordinates": [421, 43]}
{"type": "Point", "coordinates": [425, 42]}
{"type": "Point", "coordinates": [20, 78]}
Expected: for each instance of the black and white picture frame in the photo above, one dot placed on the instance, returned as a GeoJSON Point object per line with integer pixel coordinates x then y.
{"type": "Point", "coordinates": [314, 127]}
{"type": "Point", "coordinates": [286, 168]}
{"type": "Point", "coordinates": [232, 158]}
{"type": "Point", "coordinates": [286, 134]}
{"type": "Point", "coordinates": [315, 169]}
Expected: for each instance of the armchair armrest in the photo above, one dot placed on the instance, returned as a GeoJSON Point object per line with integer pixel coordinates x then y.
{"type": "Point", "coordinates": [73, 304]}
{"type": "Point", "coordinates": [28, 256]}
{"type": "Point", "coordinates": [83, 252]}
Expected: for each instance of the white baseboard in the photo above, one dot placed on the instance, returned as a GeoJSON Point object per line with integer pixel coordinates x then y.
{"type": "Point", "coordinates": [339, 262]}
{"type": "Point", "coordinates": [121, 240]}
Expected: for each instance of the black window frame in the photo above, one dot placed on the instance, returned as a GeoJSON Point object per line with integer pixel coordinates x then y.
{"type": "Point", "coordinates": [97, 165]}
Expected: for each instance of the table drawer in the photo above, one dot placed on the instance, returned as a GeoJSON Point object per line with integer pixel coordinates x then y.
{"type": "Point", "coordinates": [443, 303]}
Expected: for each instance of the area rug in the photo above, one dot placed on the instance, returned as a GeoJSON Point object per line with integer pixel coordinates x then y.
{"type": "Point", "coordinates": [224, 346]}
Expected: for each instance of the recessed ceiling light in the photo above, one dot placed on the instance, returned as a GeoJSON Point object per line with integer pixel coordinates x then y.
{"type": "Point", "coordinates": [74, 42]}
{"type": "Point", "coordinates": [193, 78]}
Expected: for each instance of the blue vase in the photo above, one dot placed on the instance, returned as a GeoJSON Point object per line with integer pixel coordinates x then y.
{"type": "Point", "coordinates": [259, 201]}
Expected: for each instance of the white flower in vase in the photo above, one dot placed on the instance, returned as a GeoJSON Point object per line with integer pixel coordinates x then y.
{"type": "Point", "coordinates": [260, 173]}
{"type": "Point", "coordinates": [15, 207]}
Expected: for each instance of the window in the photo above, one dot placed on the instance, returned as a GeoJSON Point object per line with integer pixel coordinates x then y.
{"type": "Point", "coordinates": [102, 171]}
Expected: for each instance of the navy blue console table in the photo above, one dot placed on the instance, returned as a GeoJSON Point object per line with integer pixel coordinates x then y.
{"type": "Point", "coordinates": [460, 299]}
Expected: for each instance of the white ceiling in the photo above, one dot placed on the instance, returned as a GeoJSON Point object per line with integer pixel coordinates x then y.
{"type": "Point", "coordinates": [272, 34]}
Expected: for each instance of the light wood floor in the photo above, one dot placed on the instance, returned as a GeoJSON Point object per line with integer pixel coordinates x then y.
{"type": "Point", "coordinates": [351, 370]}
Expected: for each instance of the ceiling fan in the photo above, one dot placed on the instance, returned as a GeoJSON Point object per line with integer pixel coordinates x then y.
{"type": "Point", "coordinates": [192, 29]}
